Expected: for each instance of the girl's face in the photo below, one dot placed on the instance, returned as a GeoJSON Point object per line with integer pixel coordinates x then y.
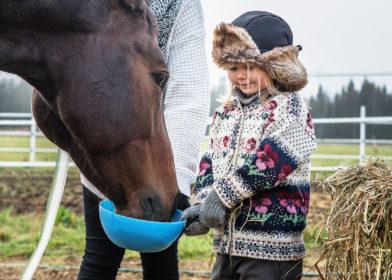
{"type": "Point", "coordinates": [250, 80]}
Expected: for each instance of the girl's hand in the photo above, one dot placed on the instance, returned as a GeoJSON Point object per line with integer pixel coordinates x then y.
{"type": "Point", "coordinates": [212, 211]}
{"type": "Point", "coordinates": [193, 225]}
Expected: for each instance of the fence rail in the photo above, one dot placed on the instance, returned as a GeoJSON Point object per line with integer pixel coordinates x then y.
{"type": "Point", "coordinates": [26, 120]}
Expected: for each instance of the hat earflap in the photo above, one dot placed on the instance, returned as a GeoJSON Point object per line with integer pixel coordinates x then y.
{"type": "Point", "coordinates": [283, 66]}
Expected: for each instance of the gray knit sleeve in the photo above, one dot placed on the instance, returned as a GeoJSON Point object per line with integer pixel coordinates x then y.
{"type": "Point", "coordinates": [187, 93]}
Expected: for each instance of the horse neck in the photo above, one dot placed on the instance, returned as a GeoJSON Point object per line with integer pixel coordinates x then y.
{"type": "Point", "coordinates": [28, 29]}
{"type": "Point", "coordinates": [20, 55]}
{"type": "Point", "coordinates": [54, 15]}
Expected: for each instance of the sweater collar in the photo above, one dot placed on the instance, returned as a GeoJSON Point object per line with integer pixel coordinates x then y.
{"type": "Point", "coordinates": [245, 99]}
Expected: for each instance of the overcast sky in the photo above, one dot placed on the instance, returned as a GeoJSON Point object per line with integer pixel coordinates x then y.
{"type": "Point", "coordinates": [337, 36]}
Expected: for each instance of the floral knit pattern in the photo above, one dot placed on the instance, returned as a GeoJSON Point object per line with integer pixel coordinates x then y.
{"type": "Point", "coordinates": [258, 163]}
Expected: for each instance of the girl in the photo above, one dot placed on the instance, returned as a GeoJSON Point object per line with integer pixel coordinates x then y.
{"type": "Point", "coordinates": [253, 183]}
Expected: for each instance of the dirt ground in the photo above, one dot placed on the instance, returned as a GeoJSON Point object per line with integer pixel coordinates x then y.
{"type": "Point", "coordinates": [190, 270]}
{"type": "Point", "coordinates": [71, 274]}
{"type": "Point", "coordinates": [27, 191]}
{"type": "Point", "coordinates": [45, 274]}
{"type": "Point", "coordinates": [13, 268]}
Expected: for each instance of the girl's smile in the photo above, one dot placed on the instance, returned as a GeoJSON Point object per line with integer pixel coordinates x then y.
{"type": "Point", "coordinates": [249, 79]}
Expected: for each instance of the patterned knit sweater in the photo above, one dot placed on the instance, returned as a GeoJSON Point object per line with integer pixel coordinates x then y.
{"type": "Point", "coordinates": [186, 102]}
{"type": "Point", "coordinates": [258, 163]}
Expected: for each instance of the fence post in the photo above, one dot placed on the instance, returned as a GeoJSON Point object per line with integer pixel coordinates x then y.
{"type": "Point", "coordinates": [33, 139]}
{"type": "Point", "coordinates": [362, 135]}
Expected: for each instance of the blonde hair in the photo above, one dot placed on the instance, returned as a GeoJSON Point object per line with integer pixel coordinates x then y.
{"type": "Point", "coordinates": [271, 88]}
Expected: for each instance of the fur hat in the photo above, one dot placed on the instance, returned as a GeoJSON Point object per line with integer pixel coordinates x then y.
{"type": "Point", "coordinates": [265, 40]}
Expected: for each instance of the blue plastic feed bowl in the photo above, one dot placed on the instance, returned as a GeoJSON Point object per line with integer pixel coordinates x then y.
{"type": "Point", "coordinates": [139, 235]}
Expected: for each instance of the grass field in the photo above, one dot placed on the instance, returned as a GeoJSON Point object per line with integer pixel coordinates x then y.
{"type": "Point", "coordinates": [24, 142]}
{"type": "Point", "coordinates": [374, 150]}
{"type": "Point", "coordinates": [19, 236]}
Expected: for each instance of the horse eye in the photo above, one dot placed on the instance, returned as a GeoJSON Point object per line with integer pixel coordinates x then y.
{"type": "Point", "coordinates": [160, 79]}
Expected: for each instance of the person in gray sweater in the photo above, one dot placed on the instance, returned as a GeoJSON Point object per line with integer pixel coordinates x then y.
{"type": "Point", "coordinates": [186, 105]}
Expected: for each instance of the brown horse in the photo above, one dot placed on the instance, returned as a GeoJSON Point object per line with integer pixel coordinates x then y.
{"type": "Point", "coordinates": [98, 74]}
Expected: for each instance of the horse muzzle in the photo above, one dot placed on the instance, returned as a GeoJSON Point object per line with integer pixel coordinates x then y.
{"type": "Point", "coordinates": [152, 208]}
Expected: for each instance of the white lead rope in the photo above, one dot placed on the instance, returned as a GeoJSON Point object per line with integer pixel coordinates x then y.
{"type": "Point", "coordinates": [56, 193]}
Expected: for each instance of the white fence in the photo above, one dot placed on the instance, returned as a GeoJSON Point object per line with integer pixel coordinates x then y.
{"type": "Point", "coordinates": [26, 120]}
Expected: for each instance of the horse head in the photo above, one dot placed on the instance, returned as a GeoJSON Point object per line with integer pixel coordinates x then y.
{"type": "Point", "coordinates": [99, 77]}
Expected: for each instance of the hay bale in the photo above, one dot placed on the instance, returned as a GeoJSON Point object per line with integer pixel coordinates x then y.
{"type": "Point", "coordinates": [359, 223]}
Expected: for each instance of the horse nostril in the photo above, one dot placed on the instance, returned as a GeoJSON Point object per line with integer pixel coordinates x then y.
{"type": "Point", "coordinates": [151, 204]}
{"type": "Point", "coordinates": [152, 208]}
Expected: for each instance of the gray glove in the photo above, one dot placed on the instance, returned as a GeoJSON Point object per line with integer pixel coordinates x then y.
{"type": "Point", "coordinates": [213, 212]}
{"type": "Point", "coordinates": [193, 225]}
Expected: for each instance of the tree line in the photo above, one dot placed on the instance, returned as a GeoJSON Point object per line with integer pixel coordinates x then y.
{"type": "Point", "coordinates": [15, 96]}
{"type": "Point", "coordinates": [347, 103]}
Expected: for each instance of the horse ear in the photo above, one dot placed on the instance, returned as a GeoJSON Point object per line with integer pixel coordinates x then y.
{"type": "Point", "coordinates": [136, 4]}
